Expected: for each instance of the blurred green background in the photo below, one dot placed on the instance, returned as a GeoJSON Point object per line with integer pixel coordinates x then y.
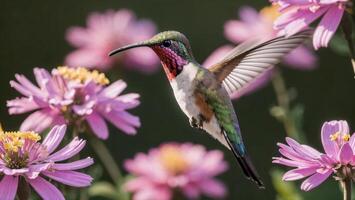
{"type": "Point", "coordinates": [32, 35]}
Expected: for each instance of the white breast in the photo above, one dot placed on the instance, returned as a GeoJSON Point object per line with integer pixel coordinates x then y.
{"type": "Point", "coordinates": [183, 90]}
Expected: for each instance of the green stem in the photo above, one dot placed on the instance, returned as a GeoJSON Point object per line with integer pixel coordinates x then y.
{"type": "Point", "coordinates": [346, 26]}
{"type": "Point", "coordinates": [283, 102]}
{"type": "Point", "coordinates": [346, 184]}
{"type": "Point", "coordinates": [24, 190]}
{"type": "Point", "coordinates": [105, 156]}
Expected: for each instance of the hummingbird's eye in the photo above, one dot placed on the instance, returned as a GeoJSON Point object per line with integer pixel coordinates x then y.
{"type": "Point", "coordinates": [166, 43]}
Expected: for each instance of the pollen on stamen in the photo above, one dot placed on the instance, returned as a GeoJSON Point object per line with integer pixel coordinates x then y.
{"type": "Point", "coordinates": [346, 137]}
{"type": "Point", "coordinates": [14, 140]}
{"type": "Point", "coordinates": [82, 75]}
{"type": "Point", "coordinates": [334, 136]}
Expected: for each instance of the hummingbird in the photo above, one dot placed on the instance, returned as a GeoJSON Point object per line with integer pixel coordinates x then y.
{"type": "Point", "coordinates": [203, 94]}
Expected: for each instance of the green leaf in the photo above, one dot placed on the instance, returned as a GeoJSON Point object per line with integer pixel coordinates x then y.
{"type": "Point", "coordinates": [339, 45]}
{"type": "Point", "coordinates": [285, 190]}
{"type": "Point", "coordinates": [103, 189]}
{"type": "Point", "coordinates": [297, 115]}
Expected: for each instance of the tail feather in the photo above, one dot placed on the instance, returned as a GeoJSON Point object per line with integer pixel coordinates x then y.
{"type": "Point", "coordinates": [245, 163]}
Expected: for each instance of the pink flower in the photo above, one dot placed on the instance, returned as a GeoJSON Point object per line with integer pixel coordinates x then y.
{"type": "Point", "coordinates": [106, 31]}
{"type": "Point", "coordinates": [22, 156]}
{"type": "Point", "coordinates": [298, 14]}
{"type": "Point", "coordinates": [252, 24]}
{"type": "Point", "coordinates": [71, 96]}
{"type": "Point", "coordinates": [339, 156]}
{"type": "Point", "coordinates": [176, 167]}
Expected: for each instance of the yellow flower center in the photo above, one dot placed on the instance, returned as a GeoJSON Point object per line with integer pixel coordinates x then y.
{"type": "Point", "coordinates": [14, 140]}
{"type": "Point", "coordinates": [173, 160]}
{"type": "Point", "coordinates": [82, 75]}
{"type": "Point", "coordinates": [270, 12]}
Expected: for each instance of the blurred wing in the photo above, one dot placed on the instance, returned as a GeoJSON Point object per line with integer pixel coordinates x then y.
{"type": "Point", "coordinates": [250, 59]}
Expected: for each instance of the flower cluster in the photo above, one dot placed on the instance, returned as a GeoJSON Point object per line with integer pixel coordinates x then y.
{"type": "Point", "coordinates": [22, 156]}
{"type": "Point", "coordinates": [74, 95]}
{"type": "Point", "coordinates": [253, 24]}
{"type": "Point", "coordinates": [298, 14]}
{"type": "Point", "coordinates": [106, 31]}
{"type": "Point", "coordinates": [172, 167]}
{"type": "Point", "coordinates": [338, 159]}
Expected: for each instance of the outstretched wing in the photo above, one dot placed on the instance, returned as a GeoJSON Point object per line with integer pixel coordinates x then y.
{"type": "Point", "coordinates": [250, 59]}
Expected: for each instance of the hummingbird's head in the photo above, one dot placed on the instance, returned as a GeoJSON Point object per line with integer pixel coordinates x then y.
{"type": "Point", "coordinates": [172, 47]}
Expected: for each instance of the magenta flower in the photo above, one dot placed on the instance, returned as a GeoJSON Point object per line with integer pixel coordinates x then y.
{"type": "Point", "coordinates": [339, 156]}
{"type": "Point", "coordinates": [73, 95]}
{"type": "Point", "coordinates": [298, 14]}
{"type": "Point", "coordinates": [185, 168]}
{"type": "Point", "coordinates": [106, 31]}
{"type": "Point", "coordinates": [22, 156]}
{"type": "Point", "coordinates": [252, 24]}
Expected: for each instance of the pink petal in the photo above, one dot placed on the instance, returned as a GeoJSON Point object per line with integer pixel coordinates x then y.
{"type": "Point", "coordinates": [75, 165]}
{"type": "Point", "coordinates": [345, 154]}
{"type": "Point", "coordinates": [114, 89]}
{"type": "Point", "coordinates": [213, 163]}
{"type": "Point", "coordinates": [327, 26]}
{"type": "Point", "coordinates": [71, 149]}
{"type": "Point", "coordinates": [217, 55]}
{"type": "Point", "coordinates": [71, 178]}
{"type": "Point", "coordinates": [15, 172]}
{"type": "Point", "coordinates": [77, 36]}
{"type": "Point", "coordinates": [8, 187]}
{"type": "Point", "coordinates": [136, 184]}
{"type": "Point", "coordinates": [22, 105]}
{"type": "Point", "coordinates": [28, 85]}
{"type": "Point", "coordinates": [328, 129]}
{"type": "Point", "coordinates": [38, 120]}
{"type": "Point", "coordinates": [159, 193]}
{"type": "Point", "coordinates": [297, 174]}
{"type": "Point", "coordinates": [36, 169]}
{"type": "Point", "coordinates": [90, 58]}
{"type": "Point", "coordinates": [124, 121]}
{"type": "Point", "coordinates": [45, 189]}
{"type": "Point", "coordinates": [142, 59]}
{"type": "Point", "coordinates": [248, 14]}
{"type": "Point", "coordinates": [236, 31]}
{"type": "Point", "coordinates": [42, 76]}
{"type": "Point", "coordinates": [301, 150]}
{"type": "Point", "coordinates": [213, 188]}
{"type": "Point", "coordinates": [54, 137]}
{"type": "Point", "coordinates": [289, 153]}
{"type": "Point", "coordinates": [301, 58]}
{"type": "Point", "coordinates": [287, 162]}
{"type": "Point", "coordinates": [191, 191]}
{"type": "Point", "coordinates": [315, 180]}
{"type": "Point", "coordinates": [98, 125]}
{"type": "Point", "coordinates": [21, 89]}
{"type": "Point", "coordinates": [352, 141]}
{"type": "Point", "coordinates": [294, 21]}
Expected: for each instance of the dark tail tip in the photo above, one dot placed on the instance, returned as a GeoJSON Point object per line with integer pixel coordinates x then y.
{"type": "Point", "coordinates": [245, 162]}
{"type": "Point", "coordinates": [249, 170]}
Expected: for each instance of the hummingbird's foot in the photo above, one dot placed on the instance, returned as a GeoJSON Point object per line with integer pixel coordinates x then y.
{"type": "Point", "coordinates": [193, 122]}
{"type": "Point", "coordinates": [197, 123]}
{"type": "Point", "coordinates": [201, 120]}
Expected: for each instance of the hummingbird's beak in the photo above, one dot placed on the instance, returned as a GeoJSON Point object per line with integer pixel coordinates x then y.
{"type": "Point", "coordinates": [131, 46]}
